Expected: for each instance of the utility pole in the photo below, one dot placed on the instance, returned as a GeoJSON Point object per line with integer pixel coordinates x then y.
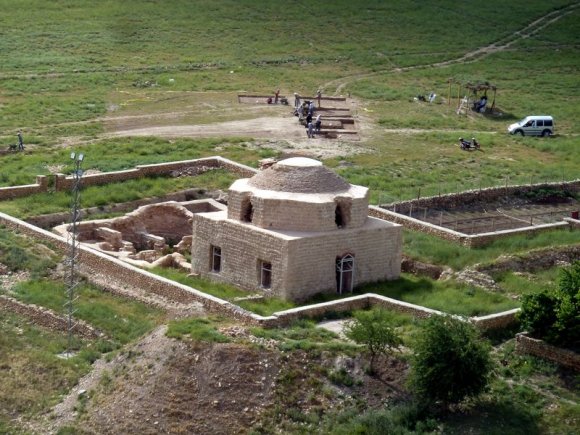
{"type": "Point", "coordinates": [71, 278]}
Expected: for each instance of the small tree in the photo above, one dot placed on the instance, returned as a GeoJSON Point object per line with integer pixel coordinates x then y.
{"type": "Point", "coordinates": [538, 313]}
{"type": "Point", "coordinates": [554, 314]}
{"type": "Point", "coordinates": [450, 361]}
{"type": "Point", "coordinates": [373, 329]}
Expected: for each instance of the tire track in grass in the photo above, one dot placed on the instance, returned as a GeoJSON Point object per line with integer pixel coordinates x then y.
{"type": "Point", "coordinates": [472, 56]}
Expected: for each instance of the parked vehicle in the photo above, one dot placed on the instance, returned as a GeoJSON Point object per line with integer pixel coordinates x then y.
{"type": "Point", "coordinates": [541, 125]}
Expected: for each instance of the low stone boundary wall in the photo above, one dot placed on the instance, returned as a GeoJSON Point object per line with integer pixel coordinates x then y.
{"type": "Point", "coordinates": [468, 240]}
{"type": "Point", "coordinates": [478, 240]}
{"type": "Point", "coordinates": [40, 186]}
{"type": "Point", "coordinates": [96, 265]}
{"type": "Point", "coordinates": [527, 345]}
{"type": "Point", "coordinates": [47, 318]}
{"type": "Point", "coordinates": [574, 223]}
{"type": "Point", "coordinates": [416, 224]}
{"type": "Point", "coordinates": [47, 221]}
{"type": "Point", "coordinates": [286, 317]}
{"type": "Point", "coordinates": [452, 200]}
{"type": "Point", "coordinates": [63, 182]}
{"type": "Point", "coordinates": [495, 321]}
{"type": "Point", "coordinates": [359, 302]}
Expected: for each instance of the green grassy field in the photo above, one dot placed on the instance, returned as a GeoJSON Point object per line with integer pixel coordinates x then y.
{"type": "Point", "coordinates": [69, 70]}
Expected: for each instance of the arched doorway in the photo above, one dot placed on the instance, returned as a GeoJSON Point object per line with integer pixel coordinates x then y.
{"type": "Point", "coordinates": [344, 273]}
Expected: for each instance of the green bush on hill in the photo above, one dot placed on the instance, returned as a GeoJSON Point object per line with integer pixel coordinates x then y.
{"type": "Point", "coordinates": [554, 314]}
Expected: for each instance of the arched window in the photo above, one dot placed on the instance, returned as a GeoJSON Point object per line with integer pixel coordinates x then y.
{"type": "Point", "coordinates": [344, 273]}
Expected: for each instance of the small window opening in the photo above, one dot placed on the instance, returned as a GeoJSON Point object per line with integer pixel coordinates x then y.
{"type": "Point", "coordinates": [265, 274]}
{"type": "Point", "coordinates": [216, 259]}
{"type": "Point", "coordinates": [342, 212]}
{"type": "Point", "coordinates": [338, 216]}
{"type": "Point", "coordinates": [247, 210]}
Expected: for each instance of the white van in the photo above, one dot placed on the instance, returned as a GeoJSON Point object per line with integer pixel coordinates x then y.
{"type": "Point", "coordinates": [533, 126]}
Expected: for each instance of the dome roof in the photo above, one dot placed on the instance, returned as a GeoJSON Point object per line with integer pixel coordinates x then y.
{"type": "Point", "coordinates": [299, 175]}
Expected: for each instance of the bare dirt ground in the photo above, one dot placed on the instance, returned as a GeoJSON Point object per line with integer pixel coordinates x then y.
{"type": "Point", "coordinates": [163, 385]}
{"type": "Point", "coordinates": [271, 126]}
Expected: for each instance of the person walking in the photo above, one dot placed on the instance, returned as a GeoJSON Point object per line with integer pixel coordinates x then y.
{"type": "Point", "coordinates": [20, 141]}
{"type": "Point", "coordinates": [296, 101]}
{"type": "Point", "coordinates": [319, 97]}
{"type": "Point", "coordinates": [317, 124]}
{"type": "Point", "coordinates": [310, 130]}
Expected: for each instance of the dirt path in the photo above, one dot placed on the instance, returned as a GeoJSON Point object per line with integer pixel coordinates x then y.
{"type": "Point", "coordinates": [265, 127]}
{"type": "Point", "coordinates": [477, 54]}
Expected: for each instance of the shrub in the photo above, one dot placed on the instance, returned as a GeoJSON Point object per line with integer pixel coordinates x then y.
{"type": "Point", "coordinates": [538, 313]}
{"type": "Point", "coordinates": [554, 314]}
{"type": "Point", "coordinates": [450, 361]}
{"type": "Point", "coordinates": [198, 329]}
{"type": "Point", "coordinates": [374, 330]}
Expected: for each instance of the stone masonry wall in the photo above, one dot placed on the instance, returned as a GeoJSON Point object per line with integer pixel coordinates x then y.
{"type": "Point", "coordinates": [40, 186]}
{"type": "Point", "coordinates": [417, 225]}
{"type": "Point", "coordinates": [470, 241]}
{"type": "Point", "coordinates": [532, 346]}
{"type": "Point", "coordinates": [495, 321]}
{"type": "Point", "coordinates": [63, 182]}
{"type": "Point", "coordinates": [478, 240]}
{"type": "Point", "coordinates": [376, 247]}
{"type": "Point", "coordinates": [489, 194]}
{"type": "Point", "coordinates": [47, 318]}
{"type": "Point", "coordinates": [242, 246]}
{"type": "Point", "coordinates": [99, 265]}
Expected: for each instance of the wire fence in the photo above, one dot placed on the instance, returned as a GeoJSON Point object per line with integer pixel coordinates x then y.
{"type": "Point", "coordinates": [501, 210]}
{"type": "Point", "coordinates": [412, 192]}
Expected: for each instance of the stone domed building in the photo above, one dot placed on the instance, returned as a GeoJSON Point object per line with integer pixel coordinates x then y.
{"type": "Point", "coordinates": [293, 230]}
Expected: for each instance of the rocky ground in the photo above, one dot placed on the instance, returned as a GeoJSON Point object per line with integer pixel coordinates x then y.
{"type": "Point", "coordinates": [163, 385]}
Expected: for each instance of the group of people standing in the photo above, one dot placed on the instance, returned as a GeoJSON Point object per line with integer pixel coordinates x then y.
{"type": "Point", "coordinates": [305, 112]}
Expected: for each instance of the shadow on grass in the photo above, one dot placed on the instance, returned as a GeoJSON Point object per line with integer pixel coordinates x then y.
{"type": "Point", "coordinates": [499, 418]}
{"type": "Point", "coordinates": [500, 115]}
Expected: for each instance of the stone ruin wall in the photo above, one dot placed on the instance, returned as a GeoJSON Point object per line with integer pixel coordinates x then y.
{"type": "Point", "coordinates": [527, 345]}
{"type": "Point", "coordinates": [453, 200]}
{"type": "Point", "coordinates": [123, 273]}
{"type": "Point", "coordinates": [99, 266]}
{"type": "Point", "coordinates": [470, 241]}
{"type": "Point", "coordinates": [47, 318]}
{"type": "Point", "coordinates": [40, 186]}
{"type": "Point", "coordinates": [51, 220]}
{"type": "Point", "coordinates": [63, 182]}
